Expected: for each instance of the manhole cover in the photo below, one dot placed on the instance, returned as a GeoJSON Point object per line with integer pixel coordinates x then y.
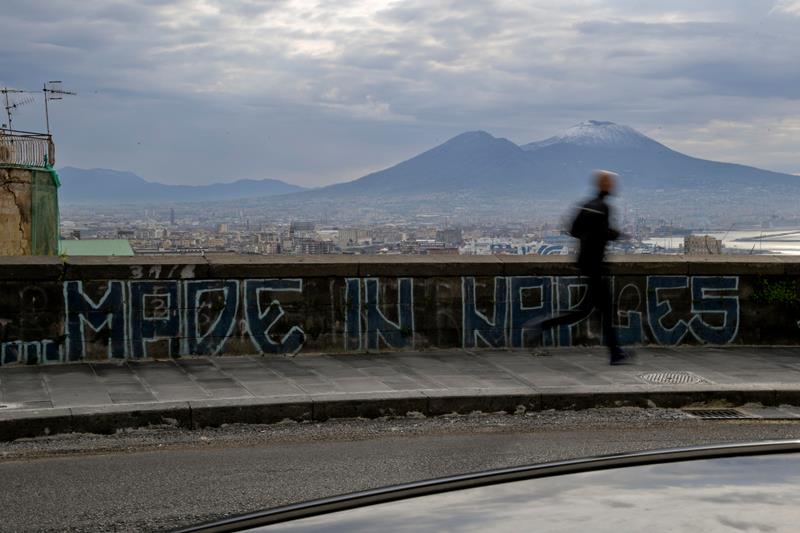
{"type": "Point", "coordinates": [717, 414]}
{"type": "Point", "coordinates": [672, 378]}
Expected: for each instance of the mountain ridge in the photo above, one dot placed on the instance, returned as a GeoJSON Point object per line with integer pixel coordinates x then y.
{"type": "Point", "coordinates": [121, 186]}
{"type": "Point", "coordinates": [479, 162]}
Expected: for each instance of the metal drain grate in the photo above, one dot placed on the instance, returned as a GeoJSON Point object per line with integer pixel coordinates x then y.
{"type": "Point", "coordinates": [717, 414]}
{"type": "Point", "coordinates": [672, 378]}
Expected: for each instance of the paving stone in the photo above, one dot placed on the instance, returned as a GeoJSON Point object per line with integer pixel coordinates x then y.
{"type": "Point", "coordinates": [113, 373]}
{"type": "Point", "coordinates": [371, 384]}
{"type": "Point", "coordinates": [174, 392]}
{"type": "Point", "coordinates": [361, 385]}
{"type": "Point", "coordinates": [401, 383]}
{"type": "Point", "coordinates": [262, 389]}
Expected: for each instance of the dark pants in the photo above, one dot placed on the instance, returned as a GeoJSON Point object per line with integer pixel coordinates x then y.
{"type": "Point", "coordinates": [598, 296]}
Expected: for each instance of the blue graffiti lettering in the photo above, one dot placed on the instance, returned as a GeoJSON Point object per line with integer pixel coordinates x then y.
{"type": "Point", "coordinates": [352, 317]}
{"type": "Point", "coordinates": [154, 315]}
{"type": "Point", "coordinates": [476, 325]}
{"type": "Point", "coordinates": [523, 318]}
{"type": "Point", "coordinates": [566, 303]}
{"type": "Point", "coordinates": [395, 335]}
{"type": "Point", "coordinates": [108, 312]}
{"type": "Point", "coordinates": [706, 299]}
{"type": "Point", "coordinates": [221, 325]}
{"type": "Point", "coordinates": [30, 352]}
{"type": "Point", "coordinates": [629, 331]}
{"type": "Point", "coordinates": [259, 321]}
{"type": "Point", "coordinates": [10, 352]}
{"type": "Point", "coordinates": [658, 309]}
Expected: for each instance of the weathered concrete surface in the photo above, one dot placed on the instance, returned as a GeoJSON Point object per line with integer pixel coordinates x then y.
{"type": "Point", "coordinates": [32, 269]}
{"type": "Point", "coordinates": [28, 212]}
{"type": "Point", "coordinates": [202, 392]}
{"type": "Point", "coordinates": [99, 308]}
{"type": "Point", "coordinates": [15, 211]}
{"type": "Point", "coordinates": [134, 268]}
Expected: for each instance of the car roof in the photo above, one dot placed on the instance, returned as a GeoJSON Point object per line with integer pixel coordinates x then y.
{"type": "Point", "coordinates": [422, 490]}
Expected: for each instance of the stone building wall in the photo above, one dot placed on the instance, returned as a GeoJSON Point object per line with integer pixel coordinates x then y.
{"type": "Point", "coordinates": [28, 212]}
{"type": "Point", "coordinates": [15, 211]}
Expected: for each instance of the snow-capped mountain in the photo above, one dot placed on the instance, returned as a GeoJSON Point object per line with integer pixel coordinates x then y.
{"type": "Point", "coordinates": [474, 165]}
{"type": "Point", "coordinates": [597, 133]}
{"type": "Point", "coordinates": [477, 162]}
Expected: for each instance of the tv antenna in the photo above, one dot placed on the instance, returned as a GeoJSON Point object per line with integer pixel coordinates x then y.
{"type": "Point", "coordinates": [52, 91]}
{"type": "Point", "coordinates": [13, 102]}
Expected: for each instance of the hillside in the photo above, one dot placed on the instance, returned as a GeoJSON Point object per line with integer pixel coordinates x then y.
{"type": "Point", "coordinates": [112, 186]}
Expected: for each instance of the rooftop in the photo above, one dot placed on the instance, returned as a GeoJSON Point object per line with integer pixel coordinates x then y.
{"type": "Point", "coordinates": [116, 247]}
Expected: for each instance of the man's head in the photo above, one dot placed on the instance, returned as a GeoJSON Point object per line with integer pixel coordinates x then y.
{"type": "Point", "coordinates": [605, 180]}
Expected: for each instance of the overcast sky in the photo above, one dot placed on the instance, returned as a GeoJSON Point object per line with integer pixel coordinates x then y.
{"type": "Point", "coordinates": [314, 92]}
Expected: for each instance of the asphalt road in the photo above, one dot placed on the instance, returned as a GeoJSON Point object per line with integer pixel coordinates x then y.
{"type": "Point", "coordinates": [163, 478]}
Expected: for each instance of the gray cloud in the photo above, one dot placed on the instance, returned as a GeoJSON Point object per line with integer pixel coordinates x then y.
{"type": "Point", "coordinates": [316, 91]}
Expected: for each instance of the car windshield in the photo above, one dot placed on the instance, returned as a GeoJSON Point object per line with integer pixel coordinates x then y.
{"type": "Point", "coordinates": [260, 252]}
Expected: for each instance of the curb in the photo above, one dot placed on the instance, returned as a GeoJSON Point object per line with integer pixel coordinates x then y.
{"type": "Point", "coordinates": [195, 414]}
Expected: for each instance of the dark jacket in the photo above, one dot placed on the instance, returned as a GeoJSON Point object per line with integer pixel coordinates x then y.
{"type": "Point", "coordinates": [591, 226]}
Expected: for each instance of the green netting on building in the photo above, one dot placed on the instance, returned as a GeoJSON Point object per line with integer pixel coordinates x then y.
{"type": "Point", "coordinates": [44, 212]}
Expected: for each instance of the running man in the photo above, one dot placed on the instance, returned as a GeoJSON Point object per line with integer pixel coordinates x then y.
{"type": "Point", "coordinates": [593, 229]}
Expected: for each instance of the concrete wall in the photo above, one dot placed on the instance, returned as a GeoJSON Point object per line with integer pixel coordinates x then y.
{"type": "Point", "coordinates": [98, 308]}
{"type": "Point", "coordinates": [15, 211]}
{"type": "Point", "coordinates": [28, 212]}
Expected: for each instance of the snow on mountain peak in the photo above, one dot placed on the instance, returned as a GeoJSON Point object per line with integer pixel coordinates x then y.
{"type": "Point", "coordinates": [596, 133]}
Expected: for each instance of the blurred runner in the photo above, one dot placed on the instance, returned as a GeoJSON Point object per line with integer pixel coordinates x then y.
{"type": "Point", "coordinates": [593, 229]}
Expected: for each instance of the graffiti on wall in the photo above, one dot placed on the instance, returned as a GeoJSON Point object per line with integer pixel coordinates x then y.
{"type": "Point", "coordinates": [193, 317]}
{"type": "Point", "coordinates": [714, 310]}
{"type": "Point", "coordinates": [139, 318]}
{"type": "Point", "coordinates": [366, 325]}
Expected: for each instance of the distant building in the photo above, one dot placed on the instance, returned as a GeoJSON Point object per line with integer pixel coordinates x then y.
{"type": "Point", "coordinates": [451, 236]}
{"type": "Point", "coordinates": [442, 251]}
{"type": "Point", "coordinates": [702, 245]}
{"type": "Point", "coordinates": [301, 229]}
{"type": "Point", "coordinates": [306, 246]}
{"type": "Point", "coordinates": [268, 237]}
{"type": "Point", "coordinates": [353, 237]}
{"type": "Point", "coordinates": [222, 228]}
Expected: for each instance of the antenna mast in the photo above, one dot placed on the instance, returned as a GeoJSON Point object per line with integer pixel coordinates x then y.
{"type": "Point", "coordinates": [52, 91]}
{"type": "Point", "coordinates": [11, 104]}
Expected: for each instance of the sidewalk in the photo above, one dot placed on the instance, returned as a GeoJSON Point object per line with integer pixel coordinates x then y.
{"type": "Point", "coordinates": [196, 392]}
